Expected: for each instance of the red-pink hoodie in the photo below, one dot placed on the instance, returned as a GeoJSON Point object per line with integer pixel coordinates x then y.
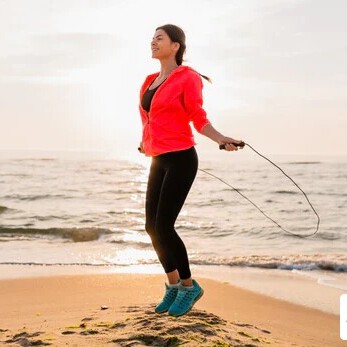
{"type": "Point", "coordinates": [177, 102]}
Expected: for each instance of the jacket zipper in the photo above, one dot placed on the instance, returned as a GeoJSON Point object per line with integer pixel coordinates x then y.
{"type": "Point", "coordinates": [148, 113]}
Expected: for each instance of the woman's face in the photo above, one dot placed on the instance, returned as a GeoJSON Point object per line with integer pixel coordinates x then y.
{"type": "Point", "coordinates": [162, 46]}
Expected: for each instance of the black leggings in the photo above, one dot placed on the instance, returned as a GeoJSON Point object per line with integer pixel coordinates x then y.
{"type": "Point", "coordinates": [170, 179]}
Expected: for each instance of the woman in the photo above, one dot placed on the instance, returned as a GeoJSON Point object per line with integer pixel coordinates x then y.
{"type": "Point", "coordinates": [169, 100]}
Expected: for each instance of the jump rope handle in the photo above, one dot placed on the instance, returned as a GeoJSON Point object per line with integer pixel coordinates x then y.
{"type": "Point", "coordinates": [241, 145]}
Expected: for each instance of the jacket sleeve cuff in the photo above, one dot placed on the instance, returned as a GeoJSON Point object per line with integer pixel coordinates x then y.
{"type": "Point", "coordinates": [200, 125]}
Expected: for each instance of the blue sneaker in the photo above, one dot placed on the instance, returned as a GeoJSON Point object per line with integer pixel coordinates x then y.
{"type": "Point", "coordinates": [185, 299]}
{"type": "Point", "coordinates": [169, 298]}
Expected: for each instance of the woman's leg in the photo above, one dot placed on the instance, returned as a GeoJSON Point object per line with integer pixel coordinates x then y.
{"type": "Point", "coordinates": [155, 182]}
{"type": "Point", "coordinates": [180, 172]}
{"type": "Point", "coordinates": [154, 186]}
{"type": "Point", "coordinates": [170, 179]}
{"type": "Point", "coordinates": [173, 277]}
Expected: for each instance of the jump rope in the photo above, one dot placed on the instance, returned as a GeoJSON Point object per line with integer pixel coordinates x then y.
{"type": "Point", "coordinates": [241, 145]}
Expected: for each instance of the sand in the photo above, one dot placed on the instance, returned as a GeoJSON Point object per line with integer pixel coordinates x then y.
{"type": "Point", "coordinates": [118, 310]}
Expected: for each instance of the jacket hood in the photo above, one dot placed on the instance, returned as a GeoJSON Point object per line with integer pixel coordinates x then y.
{"type": "Point", "coordinates": [177, 70]}
{"type": "Point", "coordinates": [152, 76]}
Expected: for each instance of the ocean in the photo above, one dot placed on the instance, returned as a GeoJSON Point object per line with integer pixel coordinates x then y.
{"type": "Point", "coordinates": [90, 213]}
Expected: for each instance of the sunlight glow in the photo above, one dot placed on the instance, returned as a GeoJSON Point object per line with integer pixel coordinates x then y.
{"type": "Point", "coordinates": [133, 256]}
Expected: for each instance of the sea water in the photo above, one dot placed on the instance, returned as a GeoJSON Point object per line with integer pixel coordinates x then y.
{"type": "Point", "coordinates": [90, 213]}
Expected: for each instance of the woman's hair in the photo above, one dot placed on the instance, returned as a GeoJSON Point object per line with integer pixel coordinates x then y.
{"type": "Point", "coordinates": [176, 34]}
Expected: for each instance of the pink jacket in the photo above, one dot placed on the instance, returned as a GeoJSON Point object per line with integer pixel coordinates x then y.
{"type": "Point", "coordinates": [177, 102]}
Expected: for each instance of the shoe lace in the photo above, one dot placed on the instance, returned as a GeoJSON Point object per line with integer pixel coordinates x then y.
{"type": "Point", "coordinates": [184, 297]}
{"type": "Point", "coordinates": [170, 294]}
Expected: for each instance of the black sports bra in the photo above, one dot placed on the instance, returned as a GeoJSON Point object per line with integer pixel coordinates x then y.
{"type": "Point", "coordinates": [147, 97]}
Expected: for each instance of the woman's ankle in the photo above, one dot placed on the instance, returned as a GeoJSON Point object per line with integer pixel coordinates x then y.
{"type": "Point", "coordinates": [173, 277]}
{"type": "Point", "coordinates": [187, 282]}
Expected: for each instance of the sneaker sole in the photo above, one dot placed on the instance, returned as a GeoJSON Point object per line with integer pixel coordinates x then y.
{"type": "Point", "coordinates": [195, 300]}
{"type": "Point", "coordinates": [163, 311]}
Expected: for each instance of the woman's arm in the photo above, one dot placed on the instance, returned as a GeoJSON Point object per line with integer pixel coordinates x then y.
{"type": "Point", "coordinates": [193, 100]}
{"type": "Point", "coordinates": [209, 131]}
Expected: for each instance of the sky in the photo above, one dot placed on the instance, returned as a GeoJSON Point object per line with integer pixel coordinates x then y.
{"type": "Point", "coordinates": [71, 70]}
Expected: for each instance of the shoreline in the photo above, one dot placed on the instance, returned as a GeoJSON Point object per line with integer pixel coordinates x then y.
{"type": "Point", "coordinates": [45, 307]}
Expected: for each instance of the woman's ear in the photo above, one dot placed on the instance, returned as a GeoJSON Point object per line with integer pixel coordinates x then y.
{"type": "Point", "coordinates": [176, 46]}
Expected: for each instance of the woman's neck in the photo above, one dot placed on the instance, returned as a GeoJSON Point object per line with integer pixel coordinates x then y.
{"type": "Point", "coordinates": [166, 69]}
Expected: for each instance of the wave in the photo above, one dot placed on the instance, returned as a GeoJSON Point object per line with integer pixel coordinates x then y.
{"type": "Point", "coordinates": [3, 209]}
{"type": "Point", "coordinates": [285, 192]}
{"type": "Point", "coordinates": [19, 175]}
{"type": "Point", "coordinates": [304, 162]}
{"type": "Point", "coordinates": [33, 263]}
{"type": "Point", "coordinates": [74, 234]}
{"type": "Point", "coordinates": [34, 159]}
{"type": "Point", "coordinates": [302, 263]}
{"type": "Point", "coordinates": [210, 202]}
{"type": "Point", "coordinates": [335, 262]}
{"type": "Point", "coordinates": [137, 244]}
{"type": "Point", "coordinates": [36, 197]}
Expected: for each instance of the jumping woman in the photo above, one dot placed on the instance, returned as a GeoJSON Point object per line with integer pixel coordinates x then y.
{"type": "Point", "coordinates": [169, 101]}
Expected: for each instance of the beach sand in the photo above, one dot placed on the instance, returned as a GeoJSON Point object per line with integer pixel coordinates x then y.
{"type": "Point", "coordinates": [118, 310]}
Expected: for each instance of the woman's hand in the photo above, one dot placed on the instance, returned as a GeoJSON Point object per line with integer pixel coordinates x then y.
{"type": "Point", "coordinates": [140, 148]}
{"type": "Point", "coordinates": [209, 131]}
{"type": "Point", "coordinates": [228, 143]}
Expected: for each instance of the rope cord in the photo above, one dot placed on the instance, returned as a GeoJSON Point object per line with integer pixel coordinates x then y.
{"type": "Point", "coordinates": [287, 231]}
